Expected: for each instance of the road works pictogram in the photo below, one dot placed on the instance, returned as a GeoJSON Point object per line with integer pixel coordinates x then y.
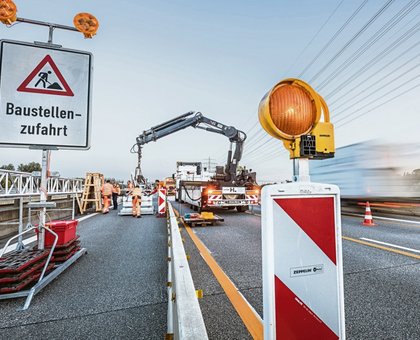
{"type": "Point", "coordinates": [46, 78]}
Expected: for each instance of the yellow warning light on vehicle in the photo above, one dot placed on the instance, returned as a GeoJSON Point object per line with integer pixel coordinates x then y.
{"type": "Point", "coordinates": [86, 23]}
{"type": "Point", "coordinates": [7, 12]}
{"type": "Point", "coordinates": [291, 111]}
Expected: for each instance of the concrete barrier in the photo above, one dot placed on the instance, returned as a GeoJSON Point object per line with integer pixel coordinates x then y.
{"type": "Point", "coordinates": [185, 320]}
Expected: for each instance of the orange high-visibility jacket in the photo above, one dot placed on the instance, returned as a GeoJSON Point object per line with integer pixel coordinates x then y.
{"type": "Point", "coordinates": [136, 192]}
{"type": "Point", "coordinates": [107, 189]}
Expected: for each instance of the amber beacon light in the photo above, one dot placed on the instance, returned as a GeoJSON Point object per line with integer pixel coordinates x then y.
{"type": "Point", "coordinates": [7, 12]}
{"type": "Point", "coordinates": [291, 111]}
{"type": "Point", "coordinates": [86, 23]}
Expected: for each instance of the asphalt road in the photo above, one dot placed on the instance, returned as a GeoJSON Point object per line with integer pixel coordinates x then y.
{"type": "Point", "coordinates": [382, 288]}
{"type": "Point", "coordinates": [116, 291]}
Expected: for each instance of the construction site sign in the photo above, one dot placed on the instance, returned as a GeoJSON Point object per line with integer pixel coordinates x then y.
{"type": "Point", "coordinates": [45, 96]}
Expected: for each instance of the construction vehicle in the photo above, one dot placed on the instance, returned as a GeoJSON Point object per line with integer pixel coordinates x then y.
{"type": "Point", "coordinates": [226, 187]}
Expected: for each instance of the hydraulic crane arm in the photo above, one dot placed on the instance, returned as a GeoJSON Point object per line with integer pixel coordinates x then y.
{"type": "Point", "coordinates": [195, 120]}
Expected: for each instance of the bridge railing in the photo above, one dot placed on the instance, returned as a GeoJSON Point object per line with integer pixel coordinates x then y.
{"type": "Point", "coordinates": [20, 184]}
{"type": "Point", "coordinates": [185, 320]}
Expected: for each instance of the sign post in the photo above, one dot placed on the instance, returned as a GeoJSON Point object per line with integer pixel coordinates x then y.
{"type": "Point", "coordinates": [303, 294]}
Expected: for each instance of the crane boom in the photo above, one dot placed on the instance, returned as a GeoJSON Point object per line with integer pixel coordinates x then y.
{"type": "Point", "coordinates": [195, 120]}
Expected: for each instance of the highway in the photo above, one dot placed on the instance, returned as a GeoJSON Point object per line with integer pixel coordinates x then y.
{"type": "Point", "coordinates": [381, 284]}
{"type": "Point", "coordinates": [118, 290]}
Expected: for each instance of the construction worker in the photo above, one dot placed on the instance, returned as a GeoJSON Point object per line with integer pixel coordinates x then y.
{"type": "Point", "coordinates": [129, 187]}
{"type": "Point", "coordinates": [158, 184]}
{"type": "Point", "coordinates": [106, 194]}
{"type": "Point", "coordinates": [116, 191]}
{"type": "Point", "coordinates": [136, 201]}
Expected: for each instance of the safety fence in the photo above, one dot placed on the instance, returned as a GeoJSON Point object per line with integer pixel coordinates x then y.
{"type": "Point", "coordinates": [21, 184]}
{"type": "Point", "coordinates": [185, 320]}
{"type": "Point", "coordinates": [25, 189]}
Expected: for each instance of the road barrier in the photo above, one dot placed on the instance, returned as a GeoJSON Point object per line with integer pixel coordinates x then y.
{"type": "Point", "coordinates": [162, 202]}
{"type": "Point", "coordinates": [185, 320]}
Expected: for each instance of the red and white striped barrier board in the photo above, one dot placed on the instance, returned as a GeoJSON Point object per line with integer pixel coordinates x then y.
{"type": "Point", "coordinates": [252, 198]}
{"type": "Point", "coordinates": [302, 262]}
{"type": "Point", "coordinates": [215, 197]}
{"type": "Point", "coordinates": [162, 201]}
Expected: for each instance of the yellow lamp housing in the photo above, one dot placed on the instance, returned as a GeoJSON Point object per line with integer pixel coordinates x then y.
{"type": "Point", "coordinates": [86, 23]}
{"type": "Point", "coordinates": [291, 112]}
{"type": "Point", "coordinates": [7, 12]}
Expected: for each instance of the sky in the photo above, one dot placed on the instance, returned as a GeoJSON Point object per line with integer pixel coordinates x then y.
{"type": "Point", "coordinates": [154, 60]}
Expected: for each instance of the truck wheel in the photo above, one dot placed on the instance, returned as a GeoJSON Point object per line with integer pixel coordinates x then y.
{"type": "Point", "coordinates": [242, 208]}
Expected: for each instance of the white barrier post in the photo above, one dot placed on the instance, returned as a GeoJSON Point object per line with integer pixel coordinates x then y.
{"type": "Point", "coordinates": [161, 202]}
{"type": "Point", "coordinates": [302, 262]}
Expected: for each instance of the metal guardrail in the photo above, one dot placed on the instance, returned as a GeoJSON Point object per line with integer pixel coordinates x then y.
{"type": "Point", "coordinates": [185, 320]}
{"type": "Point", "coordinates": [21, 184]}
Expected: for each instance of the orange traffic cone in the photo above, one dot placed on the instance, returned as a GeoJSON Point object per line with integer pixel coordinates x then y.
{"type": "Point", "coordinates": [368, 221]}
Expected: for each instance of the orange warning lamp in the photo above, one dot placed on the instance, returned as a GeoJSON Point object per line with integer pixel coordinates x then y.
{"type": "Point", "coordinates": [7, 12]}
{"type": "Point", "coordinates": [291, 111]}
{"type": "Point", "coordinates": [86, 23]}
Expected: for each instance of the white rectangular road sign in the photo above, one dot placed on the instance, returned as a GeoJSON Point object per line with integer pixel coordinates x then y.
{"type": "Point", "coordinates": [302, 262]}
{"type": "Point", "coordinates": [45, 95]}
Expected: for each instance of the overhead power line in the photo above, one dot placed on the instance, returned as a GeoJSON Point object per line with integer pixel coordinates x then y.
{"type": "Point", "coordinates": [324, 48]}
{"type": "Point", "coordinates": [370, 42]}
{"type": "Point", "coordinates": [363, 82]}
{"type": "Point", "coordinates": [353, 39]}
{"type": "Point", "coordinates": [379, 56]}
{"type": "Point", "coordinates": [382, 104]}
{"type": "Point", "coordinates": [377, 82]}
{"type": "Point", "coordinates": [375, 100]}
{"type": "Point", "coordinates": [315, 36]}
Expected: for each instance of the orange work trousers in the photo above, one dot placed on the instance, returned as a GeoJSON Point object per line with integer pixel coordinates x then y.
{"type": "Point", "coordinates": [136, 206]}
{"type": "Point", "coordinates": [106, 204]}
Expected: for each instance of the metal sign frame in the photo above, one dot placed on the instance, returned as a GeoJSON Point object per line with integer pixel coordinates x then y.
{"type": "Point", "coordinates": [291, 252]}
{"type": "Point", "coordinates": [54, 47]}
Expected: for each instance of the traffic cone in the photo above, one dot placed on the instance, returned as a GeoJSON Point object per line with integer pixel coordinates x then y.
{"type": "Point", "coordinates": [368, 221]}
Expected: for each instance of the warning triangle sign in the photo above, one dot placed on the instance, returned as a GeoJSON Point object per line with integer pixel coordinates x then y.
{"type": "Point", "coordinates": [46, 78]}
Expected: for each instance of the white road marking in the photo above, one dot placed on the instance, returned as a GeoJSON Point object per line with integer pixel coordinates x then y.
{"type": "Point", "coordinates": [86, 217]}
{"type": "Point", "coordinates": [384, 218]}
{"type": "Point", "coordinates": [33, 238]}
{"type": "Point", "coordinates": [391, 245]}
